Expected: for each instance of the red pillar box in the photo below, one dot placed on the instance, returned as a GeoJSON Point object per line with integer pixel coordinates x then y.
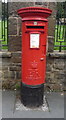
{"type": "Point", "coordinates": [34, 39]}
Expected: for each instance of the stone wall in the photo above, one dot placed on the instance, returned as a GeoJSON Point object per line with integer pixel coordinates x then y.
{"type": "Point", "coordinates": [55, 72]}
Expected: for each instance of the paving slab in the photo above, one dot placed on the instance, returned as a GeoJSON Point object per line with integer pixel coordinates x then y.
{"type": "Point", "coordinates": [0, 104]}
{"type": "Point", "coordinates": [56, 104]}
{"type": "Point", "coordinates": [55, 101]}
{"type": "Point", "coordinates": [8, 102]}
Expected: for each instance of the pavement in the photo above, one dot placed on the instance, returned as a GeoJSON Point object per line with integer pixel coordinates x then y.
{"type": "Point", "coordinates": [55, 101]}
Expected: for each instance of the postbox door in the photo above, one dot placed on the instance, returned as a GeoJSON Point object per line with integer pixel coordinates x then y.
{"type": "Point", "coordinates": [33, 58]}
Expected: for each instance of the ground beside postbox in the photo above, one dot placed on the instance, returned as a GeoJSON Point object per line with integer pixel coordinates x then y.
{"type": "Point", "coordinates": [9, 109]}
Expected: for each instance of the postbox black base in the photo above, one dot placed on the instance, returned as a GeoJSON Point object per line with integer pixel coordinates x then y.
{"type": "Point", "coordinates": [32, 96]}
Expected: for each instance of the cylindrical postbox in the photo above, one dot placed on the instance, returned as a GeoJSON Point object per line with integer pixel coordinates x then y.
{"type": "Point", "coordinates": [34, 39]}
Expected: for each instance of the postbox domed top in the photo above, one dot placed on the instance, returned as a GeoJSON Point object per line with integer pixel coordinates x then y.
{"type": "Point", "coordinates": [34, 12]}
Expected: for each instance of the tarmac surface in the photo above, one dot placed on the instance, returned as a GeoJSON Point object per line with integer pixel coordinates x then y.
{"type": "Point", "coordinates": [55, 103]}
